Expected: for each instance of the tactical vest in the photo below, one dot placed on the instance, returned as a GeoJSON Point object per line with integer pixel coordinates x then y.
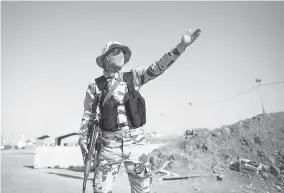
{"type": "Point", "coordinates": [133, 102]}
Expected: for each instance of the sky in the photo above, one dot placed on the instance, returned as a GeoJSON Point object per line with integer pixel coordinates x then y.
{"type": "Point", "coordinates": [49, 52]}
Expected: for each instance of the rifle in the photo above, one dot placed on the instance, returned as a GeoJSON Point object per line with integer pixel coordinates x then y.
{"type": "Point", "coordinates": [92, 151]}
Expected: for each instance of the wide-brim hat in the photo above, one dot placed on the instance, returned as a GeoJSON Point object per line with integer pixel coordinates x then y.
{"type": "Point", "coordinates": [110, 46]}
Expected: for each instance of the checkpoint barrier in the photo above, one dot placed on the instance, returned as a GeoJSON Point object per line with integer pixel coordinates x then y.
{"type": "Point", "coordinates": [57, 157]}
{"type": "Point", "coordinates": [68, 156]}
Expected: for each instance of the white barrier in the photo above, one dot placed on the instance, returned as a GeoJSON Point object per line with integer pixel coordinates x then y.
{"type": "Point", "coordinates": [58, 156]}
{"type": "Point", "coordinates": [66, 156]}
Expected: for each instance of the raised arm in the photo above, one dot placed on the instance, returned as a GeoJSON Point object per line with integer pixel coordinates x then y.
{"type": "Point", "coordinates": [160, 66]}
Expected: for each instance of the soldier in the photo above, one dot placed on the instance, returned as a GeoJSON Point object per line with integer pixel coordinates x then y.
{"type": "Point", "coordinates": [113, 102]}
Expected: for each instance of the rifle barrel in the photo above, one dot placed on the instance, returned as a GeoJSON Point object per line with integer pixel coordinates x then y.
{"type": "Point", "coordinates": [88, 157]}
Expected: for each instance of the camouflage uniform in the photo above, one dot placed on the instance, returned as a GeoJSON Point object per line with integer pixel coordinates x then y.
{"type": "Point", "coordinates": [125, 145]}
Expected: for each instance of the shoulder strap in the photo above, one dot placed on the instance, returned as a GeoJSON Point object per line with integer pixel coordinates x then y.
{"type": "Point", "coordinates": [103, 86]}
{"type": "Point", "coordinates": [110, 92]}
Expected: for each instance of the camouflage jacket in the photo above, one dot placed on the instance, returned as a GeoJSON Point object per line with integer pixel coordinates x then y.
{"type": "Point", "coordinates": [141, 77]}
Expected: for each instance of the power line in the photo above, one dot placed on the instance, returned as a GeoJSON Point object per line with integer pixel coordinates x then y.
{"type": "Point", "coordinates": [271, 83]}
{"type": "Point", "coordinates": [235, 96]}
{"type": "Point", "coordinates": [246, 91]}
{"type": "Point", "coordinates": [241, 93]}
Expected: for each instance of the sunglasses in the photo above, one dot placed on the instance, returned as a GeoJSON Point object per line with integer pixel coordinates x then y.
{"type": "Point", "coordinates": [116, 51]}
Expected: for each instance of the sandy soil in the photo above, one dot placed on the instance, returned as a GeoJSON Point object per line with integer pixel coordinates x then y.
{"type": "Point", "coordinates": [18, 176]}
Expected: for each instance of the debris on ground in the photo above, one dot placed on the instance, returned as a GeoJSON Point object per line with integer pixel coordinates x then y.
{"type": "Point", "coordinates": [181, 177]}
{"type": "Point", "coordinates": [274, 170]}
{"type": "Point", "coordinates": [220, 178]}
{"type": "Point", "coordinates": [249, 149]}
{"type": "Point", "coordinates": [248, 166]}
{"type": "Point", "coordinates": [198, 189]}
{"type": "Point", "coordinates": [278, 187]}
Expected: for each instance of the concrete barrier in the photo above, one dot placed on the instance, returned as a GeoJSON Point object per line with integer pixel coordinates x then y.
{"type": "Point", "coordinates": [67, 156]}
{"type": "Point", "coordinates": [58, 156]}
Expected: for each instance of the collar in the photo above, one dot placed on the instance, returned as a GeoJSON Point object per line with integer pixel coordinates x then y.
{"type": "Point", "coordinates": [110, 75]}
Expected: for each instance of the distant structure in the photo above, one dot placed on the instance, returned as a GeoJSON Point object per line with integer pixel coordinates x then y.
{"type": "Point", "coordinates": [46, 140]}
{"type": "Point", "coordinates": [39, 140]}
{"type": "Point", "coordinates": [58, 139]}
{"type": "Point", "coordinates": [258, 81]}
{"type": "Point", "coordinates": [25, 143]}
{"type": "Point", "coordinates": [3, 140]}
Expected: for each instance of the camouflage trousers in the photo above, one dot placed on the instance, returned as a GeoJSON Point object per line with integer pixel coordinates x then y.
{"type": "Point", "coordinates": [131, 152]}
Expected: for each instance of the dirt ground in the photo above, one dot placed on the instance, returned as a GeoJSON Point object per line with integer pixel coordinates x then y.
{"type": "Point", "coordinates": [18, 176]}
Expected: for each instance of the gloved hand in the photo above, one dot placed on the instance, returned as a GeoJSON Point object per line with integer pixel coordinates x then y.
{"type": "Point", "coordinates": [83, 146]}
{"type": "Point", "coordinates": [89, 126]}
{"type": "Point", "coordinates": [189, 37]}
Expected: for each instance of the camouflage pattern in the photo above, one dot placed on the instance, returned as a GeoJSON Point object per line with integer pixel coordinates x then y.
{"type": "Point", "coordinates": [128, 150]}
{"type": "Point", "coordinates": [116, 150]}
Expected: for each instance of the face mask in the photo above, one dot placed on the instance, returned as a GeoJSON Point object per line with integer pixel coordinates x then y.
{"type": "Point", "coordinates": [116, 60]}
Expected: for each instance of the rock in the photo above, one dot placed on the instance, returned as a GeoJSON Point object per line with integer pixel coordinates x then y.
{"type": "Point", "coordinates": [281, 181]}
{"type": "Point", "coordinates": [247, 186]}
{"type": "Point", "coordinates": [220, 178]}
{"type": "Point", "coordinates": [265, 168]}
{"type": "Point", "coordinates": [257, 140]}
{"type": "Point", "coordinates": [216, 133]}
{"type": "Point", "coordinates": [214, 171]}
{"type": "Point", "coordinates": [189, 132]}
{"type": "Point", "coordinates": [280, 178]}
{"type": "Point", "coordinates": [235, 166]}
{"type": "Point", "coordinates": [265, 176]}
{"type": "Point", "coordinates": [274, 170]}
{"type": "Point", "coordinates": [247, 191]}
{"type": "Point", "coordinates": [198, 189]}
{"type": "Point", "coordinates": [272, 160]}
{"type": "Point", "coordinates": [227, 129]}
{"type": "Point", "coordinates": [278, 188]}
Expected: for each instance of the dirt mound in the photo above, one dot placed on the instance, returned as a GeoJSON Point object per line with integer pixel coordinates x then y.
{"type": "Point", "coordinates": [260, 139]}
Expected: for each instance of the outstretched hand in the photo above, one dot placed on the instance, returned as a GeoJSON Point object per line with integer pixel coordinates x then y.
{"type": "Point", "coordinates": [189, 37]}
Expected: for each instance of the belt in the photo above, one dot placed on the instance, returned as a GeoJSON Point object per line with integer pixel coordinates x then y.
{"type": "Point", "coordinates": [120, 103]}
{"type": "Point", "coordinates": [123, 133]}
{"type": "Point", "coordinates": [122, 124]}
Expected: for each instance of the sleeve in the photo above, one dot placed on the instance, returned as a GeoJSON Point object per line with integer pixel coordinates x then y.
{"type": "Point", "coordinates": [159, 67]}
{"type": "Point", "coordinates": [90, 114]}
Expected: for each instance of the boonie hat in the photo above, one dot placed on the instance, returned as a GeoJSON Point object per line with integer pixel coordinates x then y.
{"type": "Point", "coordinates": [112, 45]}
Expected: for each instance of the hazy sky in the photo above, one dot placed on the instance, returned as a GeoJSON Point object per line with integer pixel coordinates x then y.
{"type": "Point", "coordinates": [49, 51]}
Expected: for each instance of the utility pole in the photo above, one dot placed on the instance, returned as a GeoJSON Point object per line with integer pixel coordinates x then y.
{"type": "Point", "coordinates": [258, 81]}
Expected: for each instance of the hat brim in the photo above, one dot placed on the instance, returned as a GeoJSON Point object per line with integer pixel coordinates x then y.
{"type": "Point", "coordinates": [100, 59]}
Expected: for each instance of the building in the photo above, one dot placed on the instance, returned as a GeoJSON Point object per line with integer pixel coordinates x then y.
{"type": "Point", "coordinates": [70, 141]}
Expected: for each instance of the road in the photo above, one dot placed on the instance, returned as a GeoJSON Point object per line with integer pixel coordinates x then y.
{"type": "Point", "coordinates": [18, 176]}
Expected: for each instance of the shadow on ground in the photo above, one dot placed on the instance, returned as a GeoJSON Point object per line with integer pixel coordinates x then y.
{"type": "Point", "coordinates": [79, 169]}
{"type": "Point", "coordinates": [69, 176]}
{"type": "Point", "coordinates": [31, 167]}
